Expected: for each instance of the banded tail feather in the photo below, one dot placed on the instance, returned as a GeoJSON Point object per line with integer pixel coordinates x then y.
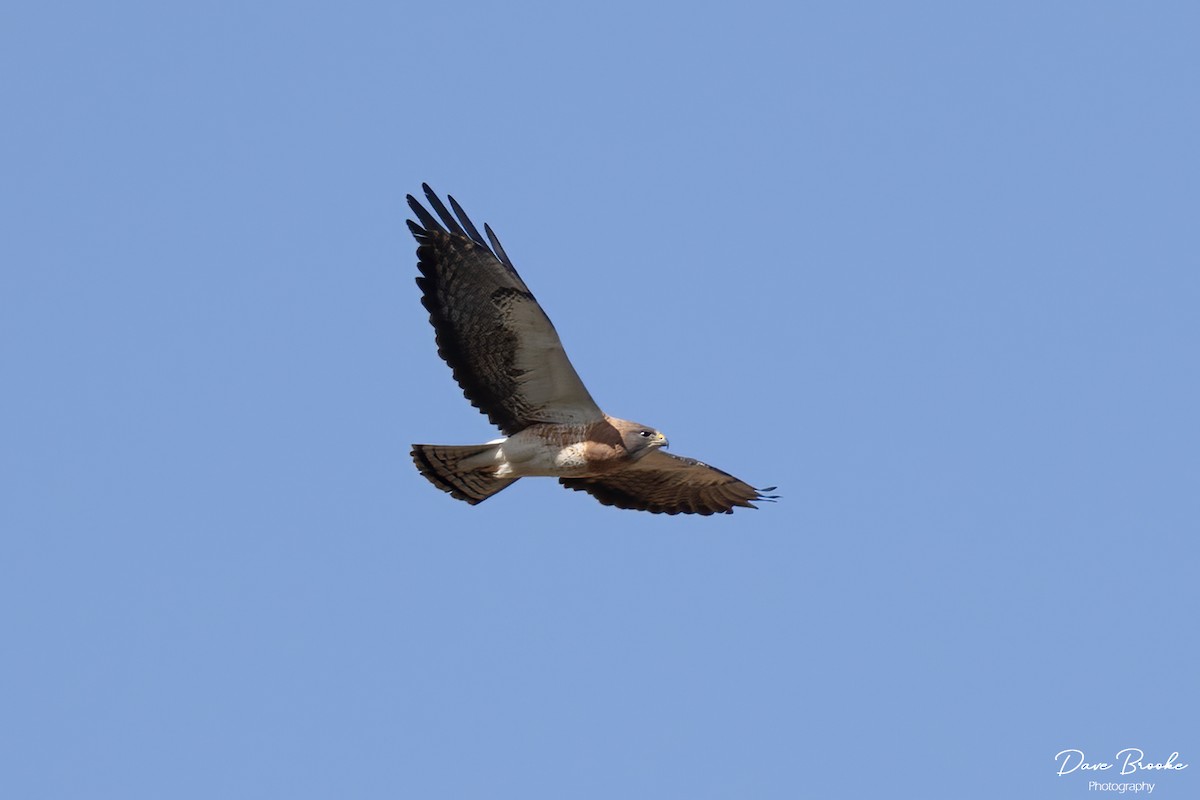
{"type": "Point", "coordinates": [442, 465]}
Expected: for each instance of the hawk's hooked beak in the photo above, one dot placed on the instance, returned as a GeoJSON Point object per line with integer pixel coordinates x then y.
{"type": "Point", "coordinates": [661, 440]}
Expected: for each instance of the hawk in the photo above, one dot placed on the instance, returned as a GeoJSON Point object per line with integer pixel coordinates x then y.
{"type": "Point", "coordinates": [509, 362]}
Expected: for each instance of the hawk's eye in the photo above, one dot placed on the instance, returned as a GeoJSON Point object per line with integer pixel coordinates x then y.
{"type": "Point", "coordinates": [645, 434]}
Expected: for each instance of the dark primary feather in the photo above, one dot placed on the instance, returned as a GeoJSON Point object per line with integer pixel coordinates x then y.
{"type": "Point", "coordinates": [446, 216]}
{"type": "Point", "coordinates": [501, 346]}
{"type": "Point", "coordinates": [427, 220]}
{"type": "Point", "coordinates": [662, 483]}
{"type": "Point", "coordinates": [472, 231]}
{"type": "Point", "coordinates": [496, 245]}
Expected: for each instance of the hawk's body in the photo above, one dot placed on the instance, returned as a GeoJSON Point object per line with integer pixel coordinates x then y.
{"type": "Point", "coordinates": [509, 361]}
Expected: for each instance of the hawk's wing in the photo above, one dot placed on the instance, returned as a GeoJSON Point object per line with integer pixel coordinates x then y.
{"type": "Point", "coordinates": [502, 347]}
{"type": "Point", "coordinates": [667, 484]}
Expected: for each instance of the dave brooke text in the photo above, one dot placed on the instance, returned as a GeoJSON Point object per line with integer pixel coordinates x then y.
{"type": "Point", "coordinates": [1131, 759]}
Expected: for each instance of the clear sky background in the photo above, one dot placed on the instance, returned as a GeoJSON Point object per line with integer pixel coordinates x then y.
{"type": "Point", "coordinates": [929, 267]}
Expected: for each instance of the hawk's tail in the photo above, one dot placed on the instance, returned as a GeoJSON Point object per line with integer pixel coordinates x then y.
{"type": "Point", "coordinates": [443, 466]}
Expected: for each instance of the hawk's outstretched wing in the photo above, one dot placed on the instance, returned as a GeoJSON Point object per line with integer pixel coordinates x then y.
{"type": "Point", "coordinates": [502, 347]}
{"type": "Point", "coordinates": [665, 484]}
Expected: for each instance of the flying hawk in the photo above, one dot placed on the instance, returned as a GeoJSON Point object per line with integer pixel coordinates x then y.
{"type": "Point", "coordinates": [506, 356]}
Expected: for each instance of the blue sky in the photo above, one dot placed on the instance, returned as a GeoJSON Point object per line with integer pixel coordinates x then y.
{"type": "Point", "coordinates": [929, 267]}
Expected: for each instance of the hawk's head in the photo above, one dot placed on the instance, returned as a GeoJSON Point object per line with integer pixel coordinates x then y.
{"type": "Point", "coordinates": [640, 440]}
